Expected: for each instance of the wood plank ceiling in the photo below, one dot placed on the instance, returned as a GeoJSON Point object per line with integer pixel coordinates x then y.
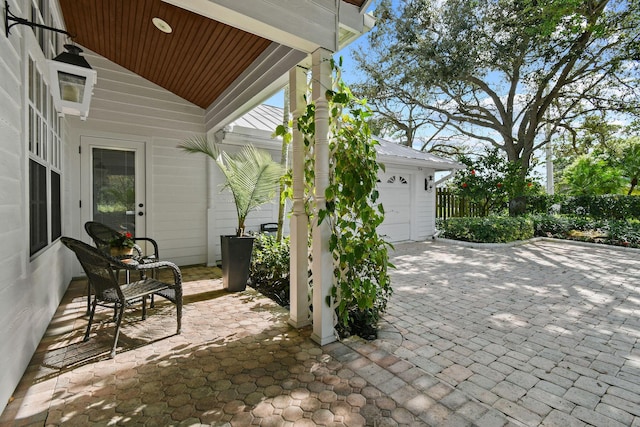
{"type": "Point", "coordinates": [197, 61]}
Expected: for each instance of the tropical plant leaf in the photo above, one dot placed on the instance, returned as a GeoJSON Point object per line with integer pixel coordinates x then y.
{"type": "Point", "coordinates": [251, 174]}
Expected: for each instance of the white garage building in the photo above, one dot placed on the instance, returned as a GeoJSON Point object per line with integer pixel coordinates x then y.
{"type": "Point", "coordinates": [407, 187]}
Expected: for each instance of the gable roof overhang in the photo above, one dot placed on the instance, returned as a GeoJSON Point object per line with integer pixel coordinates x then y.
{"type": "Point", "coordinates": [225, 56]}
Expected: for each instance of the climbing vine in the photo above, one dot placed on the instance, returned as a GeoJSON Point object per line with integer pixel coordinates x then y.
{"type": "Point", "coordinates": [362, 285]}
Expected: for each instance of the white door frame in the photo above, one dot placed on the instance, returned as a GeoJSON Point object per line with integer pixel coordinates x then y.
{"type": "Point", "coordinates": [87, 143]}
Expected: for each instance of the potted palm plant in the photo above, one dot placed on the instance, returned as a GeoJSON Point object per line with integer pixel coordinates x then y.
{"type": "Point", "coordinates": [252, 176]}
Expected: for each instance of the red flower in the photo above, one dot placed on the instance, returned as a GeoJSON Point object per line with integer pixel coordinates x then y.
{"type": "Point", "coordinates": [529, 184]}
{"type": "Point", "coordinates": [464, 185]}
{"type": "Point", "coordinates": [473, 172]}
{"type": "Point", "coordinates": [499, 184]}
{"type": "Point", "coordinates": [123, 240]}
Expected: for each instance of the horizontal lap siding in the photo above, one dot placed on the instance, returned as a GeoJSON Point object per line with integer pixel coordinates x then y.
{"type": "Point", "coordinates": [179, 203]}
{"type": "Point", "coordinates": [15, 302]}
{"type": "Point", "coordinates": [126, 105]}
{"type": "Point", "coordinates": [30, 289]}
{"type": "Point", "coordinates": [424, 208]}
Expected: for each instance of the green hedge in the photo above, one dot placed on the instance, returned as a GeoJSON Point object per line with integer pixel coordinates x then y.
{"type": "Point", "coordinates": [491, 229]}
{"type": "Point", "coordinates": [611, 232]}
{"type": "Point", "coordinates": [598, 207]}
{"type": "Point", "coordinates": [501, 229]}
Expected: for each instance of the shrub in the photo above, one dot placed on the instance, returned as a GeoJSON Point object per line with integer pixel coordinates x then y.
{"type": "Point", "coordinates": [543, 203]}
{"type": "Point", "coordinates": [269, 271]}
{"type": "Point", "coordinates": [613, 232]}
{"type": "Point", "coordinates": [624, 233]}
{"type": "Point", "coordinates": [608, 206]}
{"type": "Point", "coordinates": [493, 183]}
{"type": "Point", "coordinates": [551, 225]}
{"type": "Point", "coordinates": [491, 229]}
{"type": "Point", "coordinates": [598, 207]}
{"type": "Point", "coordinates": [561, 225]}
{"type": "Point", "coordinates": [572, 227]}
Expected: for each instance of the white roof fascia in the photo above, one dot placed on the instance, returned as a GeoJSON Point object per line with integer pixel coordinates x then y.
{"type": "Point", "coordinates": [297, 27]}
{"type": "Point", "coordinates": [403, 161]}
{"type": "Point", "coordinates": [301, 25]}
{"type": "Point", "coordinates": [365, 6]}
{"type": "Point", "coordinates": [445, 178]}
{"type": "Point", "coordinates": [267, 74]}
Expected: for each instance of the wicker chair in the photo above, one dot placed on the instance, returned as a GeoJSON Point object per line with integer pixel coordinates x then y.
{"type": "Point", "coordinates": [102, 235]}
{"type": "Point", "coordinates": [100, 270]}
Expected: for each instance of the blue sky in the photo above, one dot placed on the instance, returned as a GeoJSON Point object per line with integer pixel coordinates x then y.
{"type": "Point", "coordinates": [349, 71]}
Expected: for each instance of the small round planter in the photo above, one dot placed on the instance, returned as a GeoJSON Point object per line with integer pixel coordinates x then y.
{"type": "Point", "coordinates": [120, 251]}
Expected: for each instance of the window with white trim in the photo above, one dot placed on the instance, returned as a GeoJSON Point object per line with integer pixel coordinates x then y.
{"type": "Point", "coordinates": [44, 143]}
{"type": "Point", "coordinates": [48, 40]}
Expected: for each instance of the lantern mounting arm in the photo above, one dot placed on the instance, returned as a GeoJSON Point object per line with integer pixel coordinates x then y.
{"type": "Point", "coordinates": [8, 16]}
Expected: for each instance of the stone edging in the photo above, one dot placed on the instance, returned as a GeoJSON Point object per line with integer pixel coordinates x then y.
{"type": "Point", "coordinates": [536, 239]}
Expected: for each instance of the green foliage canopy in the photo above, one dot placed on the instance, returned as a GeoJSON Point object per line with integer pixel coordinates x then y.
{"type": "Point", "coordinates": [508, 73]}
{"type": "Point", "coordinates": [491, 181]}
{"type": "Point", "coordinates": [592, 175]}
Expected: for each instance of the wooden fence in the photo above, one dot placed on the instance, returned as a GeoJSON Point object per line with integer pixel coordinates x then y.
{"type": "Point", "coordinates": [450, 205]}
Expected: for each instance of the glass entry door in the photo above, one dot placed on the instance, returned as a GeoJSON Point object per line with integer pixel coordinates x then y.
{"type": "Point", "coordinates": [114, 191]}
{"type": "Point", "coordinates": [113, 184]}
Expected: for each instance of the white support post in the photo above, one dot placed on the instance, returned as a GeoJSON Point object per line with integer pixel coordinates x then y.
{"type": "Point", "coordinates": [322, 266]}
{"type": "Point", "coordinates": [299, 261]}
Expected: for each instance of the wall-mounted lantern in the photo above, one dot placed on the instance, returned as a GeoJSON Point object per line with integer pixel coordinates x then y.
{"type": "Point", "coordinates": [72, 81]}
{"type": "Point", "coordinates": [72, 78]}
{"type": "Point", "coordinates": [428, 183]}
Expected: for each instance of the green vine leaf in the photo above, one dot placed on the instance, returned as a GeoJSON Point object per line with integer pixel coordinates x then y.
{"type": "Point", "coordinates": [362, 286]}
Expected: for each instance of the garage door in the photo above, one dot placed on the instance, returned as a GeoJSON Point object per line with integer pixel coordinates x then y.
{"type": "Point", "coordinates": [396, 199]}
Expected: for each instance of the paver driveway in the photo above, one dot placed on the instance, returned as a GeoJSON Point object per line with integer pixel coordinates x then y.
{"type": "Point", "coordinates": [540, 334]}
{"type": "Point", "coordinates": [546, 333]}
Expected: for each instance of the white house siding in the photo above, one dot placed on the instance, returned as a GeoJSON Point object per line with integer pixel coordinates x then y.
{"type": "Point", "coordinates": [126, 106]}
{"type": "Point", "coordinates": [179, 204]}
{"type": "Point", "coordinates": [424, 207]}
{"type": "Point", "coordinates": [30, 289]}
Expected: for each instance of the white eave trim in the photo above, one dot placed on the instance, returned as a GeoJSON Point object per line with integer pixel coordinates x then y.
{"type": "Point", "coordinates": [438, 166]}
{"type": "Point", "coordinates": [365, 6]}
{"type": "Point", "coordinates": [304, 25]}
{"type": "Point", "coordinates": [265, 76]}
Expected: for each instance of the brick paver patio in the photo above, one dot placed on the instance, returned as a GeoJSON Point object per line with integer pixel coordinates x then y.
{"type": "Point", "coordinates": [540, 334]}
{"type": "Point", "coordinates": [545, 333]}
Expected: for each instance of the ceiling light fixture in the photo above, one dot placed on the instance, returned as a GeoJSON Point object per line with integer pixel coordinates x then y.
{"type": "Point", "coordinates": [71, 77]}
{"type": "Point", "coordinates": [162, 25]}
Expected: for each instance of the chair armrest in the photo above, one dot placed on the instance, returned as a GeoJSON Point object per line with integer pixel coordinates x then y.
{"type": "Point", "coordinates": [177, 274]}
{"type": "Point", "coordinates": [150, 240]}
